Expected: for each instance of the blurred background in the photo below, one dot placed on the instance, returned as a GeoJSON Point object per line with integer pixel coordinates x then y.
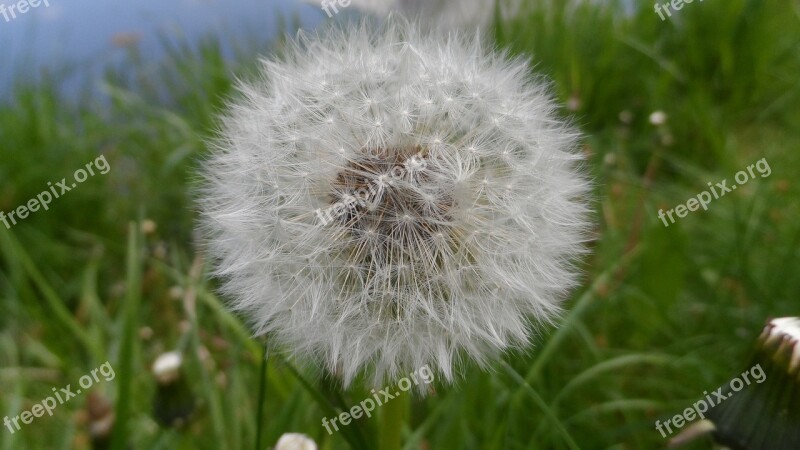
{"type": "Point", "coordinates": [110, 271]}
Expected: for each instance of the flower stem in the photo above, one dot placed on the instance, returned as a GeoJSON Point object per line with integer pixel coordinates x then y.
{"type": "Point", "coordinates": [393, 417]}
{"type": "Point", "coordinates": [262, 388]}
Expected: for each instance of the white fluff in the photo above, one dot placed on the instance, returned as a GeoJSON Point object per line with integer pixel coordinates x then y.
{"type": "Point", "coordinates": [477, 213]}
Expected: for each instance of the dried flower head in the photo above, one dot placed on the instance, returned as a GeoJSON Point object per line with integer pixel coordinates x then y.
{"type": "Point", "coordinates": [390, 199]}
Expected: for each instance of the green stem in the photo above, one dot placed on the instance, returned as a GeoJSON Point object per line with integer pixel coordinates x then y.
{"type": "Point", "coordinates": [262, 388]}
{"type": "Point", "coordinates": [393, 417]}
{"type": "Point", "coordinates": [127, 352]}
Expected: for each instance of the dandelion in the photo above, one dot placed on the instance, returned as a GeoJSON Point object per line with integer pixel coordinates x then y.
{"type": "Point", "coordinates": [457, 207]}
{"type": "Point", "coordinates": [173, 402]}
{"type": "Point", "coordinates": [658, 118]}
{"type": "Point", "coordinates": [295, 441]}
{"type": "Point", "coordinates": [760, 413]}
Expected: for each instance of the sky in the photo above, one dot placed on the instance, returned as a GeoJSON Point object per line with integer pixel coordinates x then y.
{"type": "Point", "coordinates": [88, 33]}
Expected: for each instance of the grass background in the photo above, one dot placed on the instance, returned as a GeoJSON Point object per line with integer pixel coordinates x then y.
{"type": "Point", "coordinates": [110, 272]}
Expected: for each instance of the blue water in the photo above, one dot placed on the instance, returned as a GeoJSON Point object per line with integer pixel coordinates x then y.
{"type": "Point", "coordinates": [87, 34]}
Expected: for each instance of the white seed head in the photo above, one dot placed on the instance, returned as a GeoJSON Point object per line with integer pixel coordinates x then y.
{"type": "Point", "coordinates": [295, 441]}
{"type": "Point", "coordinates": [449, 231]}
{"type": "Point", "coordinates": [658, 118]}
{"type": "Point", "coordinates": [167, 366]}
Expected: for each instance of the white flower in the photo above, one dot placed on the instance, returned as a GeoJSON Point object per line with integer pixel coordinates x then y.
{"type": "Point", "coordinates": [785, 333]}
{"type": "Point", "coordinates": [658, 118]}
{"type": "Point", "coordinates": [295, 441]}
{"type": "Point", "coordinates": [474, 206]}
{"type": "Point", "coordinates": [166, 367]}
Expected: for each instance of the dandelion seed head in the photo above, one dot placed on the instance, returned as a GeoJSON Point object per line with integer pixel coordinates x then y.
{"type": "Point", "coordinates": [439, 221]}
{"type": "Point", "coordinates": [295, 441]}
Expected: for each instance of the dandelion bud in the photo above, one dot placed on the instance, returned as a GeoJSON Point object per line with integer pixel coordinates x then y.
{"type": "Point", "coordinates": [762, 406]}
{"type": "Point", "coordinates": [101, 420]}
{"type": "Point", "coordinates": [174, 402]}
{"type": "Point", "coordinates": [765, 415]}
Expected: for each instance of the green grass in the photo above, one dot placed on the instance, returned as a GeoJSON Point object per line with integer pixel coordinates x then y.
{"type": "Point", "coordinates": [664, 314]}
